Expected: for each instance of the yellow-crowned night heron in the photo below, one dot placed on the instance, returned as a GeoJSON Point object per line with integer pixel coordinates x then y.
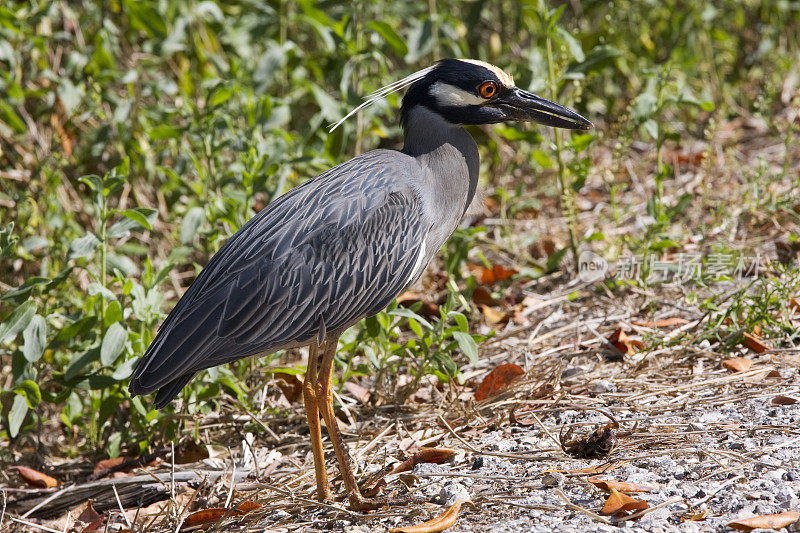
{"type": "Point", "coordinates": [341, 246]}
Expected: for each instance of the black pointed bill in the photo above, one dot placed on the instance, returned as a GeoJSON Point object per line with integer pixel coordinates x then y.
{"type": "Point", "coordinates": [522, 105]}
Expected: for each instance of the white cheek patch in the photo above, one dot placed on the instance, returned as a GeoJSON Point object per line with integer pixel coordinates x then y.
{"type": "Point", "coordinates": [448, 95]}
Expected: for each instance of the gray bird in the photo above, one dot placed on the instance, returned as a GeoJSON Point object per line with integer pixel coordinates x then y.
{"type": "Point", "coordinates": [342, 246]}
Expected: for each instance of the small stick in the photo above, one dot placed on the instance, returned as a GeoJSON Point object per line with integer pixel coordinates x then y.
{"type": "Point", "coordinates": [31, 524]}
{"type": "Point", "coordinates": [121, 508]}
{"type": "Point", "coordinates": [587, 512]}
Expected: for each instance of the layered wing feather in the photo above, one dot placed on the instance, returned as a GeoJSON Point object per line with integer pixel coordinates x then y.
{"type": "Point", "coordinates": [321, 257]}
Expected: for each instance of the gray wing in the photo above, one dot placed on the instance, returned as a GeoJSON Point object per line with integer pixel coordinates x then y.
{"type": "Point", "coordinates": [326, 254]}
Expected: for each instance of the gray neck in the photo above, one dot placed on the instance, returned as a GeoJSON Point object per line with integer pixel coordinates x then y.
{"type": "Point", "coordinates": [447, 151]}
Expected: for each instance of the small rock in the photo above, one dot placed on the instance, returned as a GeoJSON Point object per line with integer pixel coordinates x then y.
{"type": "Point", "coordinates": [554, 479]}
{"type": "Point", "coordinates": [453, 492]}
{"type": "Point", "coordinates": [572, 371]}
{"type": "Point", "coordinates": [603, 385]}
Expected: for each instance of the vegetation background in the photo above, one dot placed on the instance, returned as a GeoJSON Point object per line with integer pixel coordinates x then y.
{"type": "Point", "coordinates": [136, 136]}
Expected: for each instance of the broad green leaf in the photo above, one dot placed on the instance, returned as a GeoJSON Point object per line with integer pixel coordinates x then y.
{"type": "Point", "coordinates": [35, 338]}
{"type": "Point", "coordinates": [573, 45]}
{"type": "Point", "coordinates": [390, 36]}
{"type": "Point", "coordinates": [113, 343]}
{"type": "Point", "coordinates": [83, 246]}
{"type": "Point", "coordinates": [17, 320]}
{"type": "Point", "coordinates": [30, 390]}
{"type": "Point", "coordinates": [144, 216]}
{"type": "Point", "coordinates": [192, 221]}
{"type": "Point", "coordinates": [125, 370]}
{"type": "Point", "coordinates": [80, 361]}
{"type": "Point", "coordinates": [467, 345]}
{"type": "Point", "coordinates": [408, 313]}
{"type": "Point", "coordinates": [16, 416]}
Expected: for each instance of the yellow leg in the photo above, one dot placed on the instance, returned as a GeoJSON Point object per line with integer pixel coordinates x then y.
{"type": "Point", "coordinates": [311, 399]}
{"type": "Point", "coordinates": [325, 398]}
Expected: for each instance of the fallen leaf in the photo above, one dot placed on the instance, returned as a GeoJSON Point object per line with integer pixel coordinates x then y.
{"type": "Point", "coordinates": [488, 276]}
{"type": "Point", "coordinates": [35, 478]}
{"type": "Point", "coordinates": [482, 296]}
{"type": "Point", "coordinates": [737, 364]}
{"type": "Point", "coordinates": [625, 344]}
{"type": "Point", "coordinates": [290, 384]}
{"type": "Point", "coordinates": [619, 504]}
{"type": "Point", "coordinates": [493, 316]}
{"type": "Point", "coordinates": [774, 374]}
{"type": "Point", "coordinates": [105, 464]}
{"type": "Point", "coordinates": [794, 304]}
{"type": "Point", "coordinates": [424, 455]}
{"type": "Point", "coordinates": [780, 399]}
{"type": "Point", "coordinates": [665, 323]}
{"type": "Point", "coordinates": [697, 517]}
{"type": "Point", "coordinates": [359, 393]}
{"type": "Point", "coordinates": [213, 514]}
{"type": "Point", "coordinates": [440, 523]}
{"type": "Point", "coordinates": [499, 378]}
{"type": "Point", "coordinates": [768, 521]}
{"type": "Point", "coordinates": [755, 343]}
{"type": "Point", "coordinates": [428, 308]}
{"type": "Point", "coordinates": [247, 506]}
{"type": "Point", "coordinates": [608, 484]}
{"type": "Point", "coordinates": [190, 451]}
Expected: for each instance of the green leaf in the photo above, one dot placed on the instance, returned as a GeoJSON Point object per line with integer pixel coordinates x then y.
{"type": "Point", "coordinates": [125, 370]}
{"type": "Point", "coordinates": [80, 361]}
{"type": "Point", "coordinates": [35, 337]}
{"type": "Point", "coordinates": [11, 118]}
{"type": "Point", "coordinates": [113, 343]}
{"type": "Point", "coordinates": [651, 127]}
{"type": "Point", "coordinates": [16, 416]}
{"type": "Point", "coordinates": [30, 390]}
{"type": "Point", "coordinates": [467, 345]}
{"type": "Point", "coordinates": [83, 246]}
{"type": "Point", "coordinates": [144, 216]}
{"type": "Point", "coordinates": [220, 96]}
{"type": "Point", "coordinates": [408, 313]}
{"type": "Point", "coordinates": [574, 47]}
{"type": "Point", "coordinates": [192, 221]}
{"type": "Point", "coordinates": [141, 217]}
{"type": "Point", "coordinates": [390, 36]}
{"type": "Point", "coordinates": [113, 313]}
{"type": "Point", "coordinates": [597, 58]}
{"type": "Point", "coordinates": [542, 158]}
{"type": "Point", "coordinates": [17, 321]}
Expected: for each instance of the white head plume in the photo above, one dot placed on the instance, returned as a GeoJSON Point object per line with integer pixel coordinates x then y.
{"type": "Point", "coordinates": [383, 92]}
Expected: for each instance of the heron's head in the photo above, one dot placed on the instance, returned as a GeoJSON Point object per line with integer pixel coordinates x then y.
{"type": "Point", "coordinates": [466, 91]}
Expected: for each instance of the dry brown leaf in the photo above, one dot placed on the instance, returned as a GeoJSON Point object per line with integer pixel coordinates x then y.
{"type": "Point", "coordinates": [105, 464]}
{"type": "Point", "coordinates": [488, 276]}
{"type": "Point", "coordinates": [625, 344]}
{"type": "Point", "coordinates": [440, 523]}
{"type": "Point", "coordinates": [774, 374]}
{"type": "Point", "coordinates": [190, 451]}
{"type": "Point", "coordinates": [290, 384]}
{"type": "Point", "coordinates": [212, 514]}
{"type": "Point", "coordinates": [499, 378]}
{"type": "Point", "coordinates": [622, 486]}
{"type": "Point", "coordinates": [767, 521]}
{"type": "Point", "coordinates": [755, 343]}
{"type": "Point", "coordinates": [697, 517]}
{"type": "Point", "coordinates": [780, 399]}
{"type": "Point", "coordinates": [35, 478]}
{"type": "Point", "coordinates": [794, 304]}
{"type": "Point", "coordinates": [428, 308]}
{"type": "Point", "coordinates": [359, 393]}
{"type": "Point", "coordinates": [424, 455]}
{"type": "Point", "coordinates": [482, 296]}
{"type": "Point", "coordinates": [493, 316]}
{"type": "Point", "coordinates": [737, 364]}
{"type": "Point", "coordinates": [619, 504]}
{"type": "Point", "coordinates": [665, 323]}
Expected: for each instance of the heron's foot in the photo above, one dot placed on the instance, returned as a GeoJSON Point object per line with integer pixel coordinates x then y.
{"type": "Point", "coordinates": [360, 503]}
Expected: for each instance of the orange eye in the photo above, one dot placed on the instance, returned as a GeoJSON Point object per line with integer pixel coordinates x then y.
{"type": "Point", "coordinates": [488, 89]}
